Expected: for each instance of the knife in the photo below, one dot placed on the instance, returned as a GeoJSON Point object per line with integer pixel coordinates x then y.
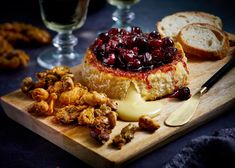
{"type": "Point", "coordinates": [185, 112]}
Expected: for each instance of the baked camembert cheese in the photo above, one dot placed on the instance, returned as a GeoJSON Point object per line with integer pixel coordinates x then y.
{"type": "Point", "coordinates": [118, 58]}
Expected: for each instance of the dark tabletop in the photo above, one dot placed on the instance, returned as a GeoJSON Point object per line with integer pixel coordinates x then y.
{"type": "Point", "coordinates": [19, 147]}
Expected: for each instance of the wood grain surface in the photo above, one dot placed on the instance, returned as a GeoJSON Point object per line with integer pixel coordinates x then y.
{"type": "Point", "coordinates": [77, 141]}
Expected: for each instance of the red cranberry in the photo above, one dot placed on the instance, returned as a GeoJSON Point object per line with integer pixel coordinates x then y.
{"type": "Point", "coordinates": [136, 30]}
{"type": "Point", "coordinates": [114, 41]}
{"type": "Point", "coordinates": [154, 35]}
{"type": "Point", "coordinates": [167, 42]}
{"type": "Point", "coordinates": [134, 64]}
{"type": "Point", "coordinates": [182, 93]}
{"type": "Point", "coordinates": [155, 43]}
{"type": "Point", "coordinates": [113, 31]}
{"type": "Point", "coordinates": [141, 43]}
{"type": "Point", "coordinates": [157, 54]}
{"type": "Point", "coordinates": [147, 58]}
{"type": "Point", "coordinates": [110, 60]}
{"type": "Point", "coordinates": [127, 54]}
{"type": "Point", "coordinates": [104, 37]}
{"type": "Point", "coordinates": [135, 50]}
{"type": "Point", "coordinates": [124, 32]}
{"type": "Point", "coordinates": [127, 41]}
{"type": "Point", "coordinates": [169, 54]}
{"type": "Point", "coordinates": [97, 43]}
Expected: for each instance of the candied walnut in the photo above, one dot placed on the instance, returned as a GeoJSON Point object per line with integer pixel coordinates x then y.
{"type": "Point", "coordinates": [14, 59]}
{"type": "Point", "coordinates": [52, 99]}
{"type": "Point", "coordinates": [60, 70]}
{"type": "Point", "coordinates": [24, 34]}
{"type": "Point", "coordinates": [14, 38]}
{"type": "Point", "coordinates": [67, 81]}
{"type": "Point", "coordinates": [40, 108]}
{"type": "Point", "coordinates": [72, 96]}
{"type": "Point", "coordinates": [68, 113]}
{"type": "Point", "coordinates": [50, 79]}
{"type": "Point", "coordinates": [94, 98]}
{"type": "Point", "coordinates": [41, 75]}
{"type": "Point", "coordinates": [101, 122]}
{"type": "Point", "coordinates": [126, 135]}
{"type": "Point", "coordinates": [27, 86]}
{"type": "Point", "coordinates": [4, 46]}
{"type": "Point", "coordinates": [112, 117]}
{"type": "Point", "coordinates": [113, 104]}
{"type": "Point", "coordinates": [38, 36]}
{"type": "Point", "coordinates": [86, 117]}
{"type": "Point", "coordinates": [105, 109]}
{"type": "Point", "coordinates": [98, 112]}
{"type": "Point", "coordinates": [119, 141]}
{"type": "Point", "coordinates": [56, 88]}
{"type": "Point", "coordinates": [128, 132]}
{"type": "Point", "coordinates": [39, 94]}
{"type": "Point", "coordinates": [101, 136]}
{"type": "Point", "coordinates": [148, 124]}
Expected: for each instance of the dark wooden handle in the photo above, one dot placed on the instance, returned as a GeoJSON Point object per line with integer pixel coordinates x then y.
{"type": "Point", "coordinates": [220, 73]}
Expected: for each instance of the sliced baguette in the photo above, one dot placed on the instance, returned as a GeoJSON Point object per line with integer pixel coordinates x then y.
{"type": "Point", "coordinates": [204, 40]}
{"type": "Point", "coordinates": [172, 24]}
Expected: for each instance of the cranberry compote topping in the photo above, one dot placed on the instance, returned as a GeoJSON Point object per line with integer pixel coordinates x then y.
{"type": "Point", "coordinates": [134, 50]}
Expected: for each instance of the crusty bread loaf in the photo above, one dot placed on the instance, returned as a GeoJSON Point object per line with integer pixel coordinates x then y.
{"type": "Point", "coordinates": [172, 24]}
{"type": "Point", "coordinates": [204, 40]}
{"type": "Point", "coordinates": [152, 84]}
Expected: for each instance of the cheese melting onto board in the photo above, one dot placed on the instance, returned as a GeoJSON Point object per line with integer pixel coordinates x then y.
{"type": "Point", "coordinates": [133, 106]}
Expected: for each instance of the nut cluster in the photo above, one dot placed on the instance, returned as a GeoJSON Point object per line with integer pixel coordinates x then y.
{"type": "Point", "coordinates": [145, 122]}
{"type": "Point", "coordinates": [17, 35]}
{"type": "Point", "coordinates": [56, 93]}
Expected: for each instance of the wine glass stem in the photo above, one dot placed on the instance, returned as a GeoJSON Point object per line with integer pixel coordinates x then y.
{"type": "Point", "coordinates": [123, 16]}
{"type": "Point", "coordinates": [65, 42]}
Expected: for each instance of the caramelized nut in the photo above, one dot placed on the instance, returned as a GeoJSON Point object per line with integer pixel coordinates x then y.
{"type": "Point", "coordinates": [148, 124]}
{"type": "Point", "coordinates": [126, 135]}
{"type": "Point", "coordinates": [119, 141]}
{"type": "Point", "coordinates": [39, 108]}
{"type": "Point", "coordinates": [40, 94]}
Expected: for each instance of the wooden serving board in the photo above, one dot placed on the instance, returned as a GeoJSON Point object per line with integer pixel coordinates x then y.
{"type": "Point", "coordinates": [77, 141]}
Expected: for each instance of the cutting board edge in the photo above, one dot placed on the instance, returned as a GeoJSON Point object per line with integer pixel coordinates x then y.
{"type": "Point", "coordinates": [12, 112]}
{"type": "Point", "coordinates": [105, 162]}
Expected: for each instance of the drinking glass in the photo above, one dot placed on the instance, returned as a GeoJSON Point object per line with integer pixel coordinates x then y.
{"type": "Point", "coordinates": [122, 15]}
{"type": "Point", "coordinates": [62, 16]}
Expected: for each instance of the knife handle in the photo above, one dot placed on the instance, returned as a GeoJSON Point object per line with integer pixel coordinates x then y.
{"type": "Point", "coordinates": [208, 84]}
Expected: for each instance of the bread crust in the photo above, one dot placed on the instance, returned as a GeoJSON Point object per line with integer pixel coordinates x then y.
{"type": "Point", "coordinates": [203, 53]}
{"type": "Point", "coordinates": [214, 19]}
{"type": "Point", "coordinates": [152, 84]}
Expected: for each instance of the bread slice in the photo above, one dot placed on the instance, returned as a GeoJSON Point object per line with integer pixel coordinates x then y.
{"type": "Point", "coordinates": [204, 40]}
{"type": "Point", "coordinates": [172, 24]}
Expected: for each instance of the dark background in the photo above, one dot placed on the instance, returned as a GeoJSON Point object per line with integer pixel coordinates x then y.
{"type": "Point", "coordinates": [20, 147]}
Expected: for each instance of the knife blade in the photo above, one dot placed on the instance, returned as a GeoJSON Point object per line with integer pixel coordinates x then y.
{"type": "Point", "coordinates": [185, 112]}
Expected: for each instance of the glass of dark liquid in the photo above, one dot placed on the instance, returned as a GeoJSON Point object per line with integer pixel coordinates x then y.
{"type": "Point", "coordinates": [62, 16]}
{"type": "Point", "coordinates": [122, 15]}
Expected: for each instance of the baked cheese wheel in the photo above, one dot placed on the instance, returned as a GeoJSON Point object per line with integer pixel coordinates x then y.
{"type": "Point", "coordinates": [153, 83]}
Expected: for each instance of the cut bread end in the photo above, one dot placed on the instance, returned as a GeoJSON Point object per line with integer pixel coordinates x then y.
{"type": "Point", "coordinates": [204, 40]}
{"type": "Point", "coordinates": [172, 24]}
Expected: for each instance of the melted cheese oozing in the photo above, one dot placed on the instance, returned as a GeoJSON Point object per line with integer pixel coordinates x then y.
{"type": "Point", "coordinates": [133, 106]}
